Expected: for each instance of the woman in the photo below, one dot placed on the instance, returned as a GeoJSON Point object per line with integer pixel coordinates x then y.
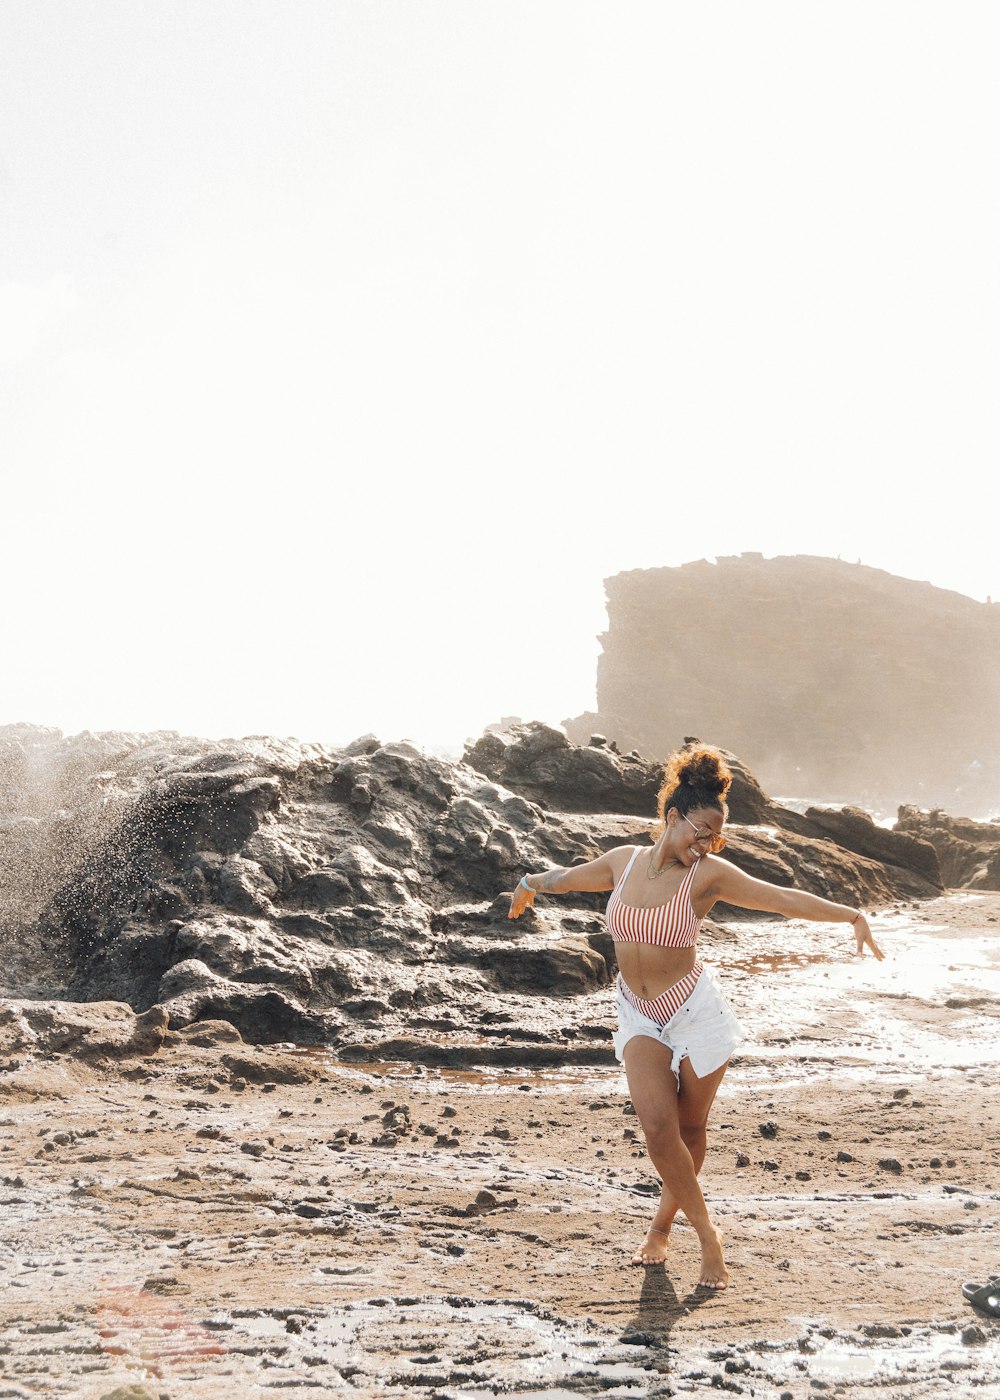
{"type": "Point", "coordinates": [676, 1031]}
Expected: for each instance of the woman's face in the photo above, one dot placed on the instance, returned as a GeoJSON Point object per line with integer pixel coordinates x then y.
{"type": "Point", "coordinates": [696, 834]}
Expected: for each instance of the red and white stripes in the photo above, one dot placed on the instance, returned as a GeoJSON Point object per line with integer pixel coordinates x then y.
{"type": "Point", "coordinates": [672, 925]}
{"type": "Point", "coordinates": [661, 1008]}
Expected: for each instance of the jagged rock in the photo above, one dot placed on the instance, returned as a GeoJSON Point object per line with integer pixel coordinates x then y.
{"type": "Point", "coordinates": [205, 1034]}
{"type": "Point", "coordinates": [265, 1068]}
{"type": "Point", "coordinates": [90, 1031]}
{"type": "Point", "coordinates": [540, 763]}
{"type": "Point", "coordinates": [820, 866]}
{"type": "Point", "coordinates": [355, 896]}
{"type": "Point", "coordinates": [855, 830]}
{"type": "Point", "coordinates": [968, 851]}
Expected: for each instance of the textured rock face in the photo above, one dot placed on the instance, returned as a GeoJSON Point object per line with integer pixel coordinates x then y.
{"type": "Point", "coordinates": [968, 851]}
{"type": "Point", "coordinates": [832, 680]}
{"type": "Point", "coordinates": [96, 1032]}
{"type": "Point", "coordinates": [541, 763]}
{"type": "Point", "coordinates": [341, 896]}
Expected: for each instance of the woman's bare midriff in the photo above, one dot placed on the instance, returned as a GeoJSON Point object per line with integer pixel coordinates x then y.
{"type": "Point", "coordinates": [650, 969]}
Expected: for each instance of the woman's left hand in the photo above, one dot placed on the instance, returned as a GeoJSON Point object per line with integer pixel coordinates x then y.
{"type": "Point", "coordinates": [863, 934]}
{"type": "Point", "coordinates": [520, 900]}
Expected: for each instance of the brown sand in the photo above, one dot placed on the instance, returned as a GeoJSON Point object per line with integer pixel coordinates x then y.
{"type": "Point", "coordinates": [179, 1228]}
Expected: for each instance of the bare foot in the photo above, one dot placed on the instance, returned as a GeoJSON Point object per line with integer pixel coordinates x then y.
{"type": "Point", "coordinates": [714, 1273]}
{"type": "Point", "coordinates": [653, 1249]}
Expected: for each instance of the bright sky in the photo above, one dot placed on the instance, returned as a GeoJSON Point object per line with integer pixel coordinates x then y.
{"type": "Point", "coordinates": [346, 346]}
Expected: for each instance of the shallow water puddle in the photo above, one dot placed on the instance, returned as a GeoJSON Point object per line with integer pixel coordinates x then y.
{"type": "Point", "coordinates": [885, 1360]}
{"type": "Point", "coordinates": [472, 1343]}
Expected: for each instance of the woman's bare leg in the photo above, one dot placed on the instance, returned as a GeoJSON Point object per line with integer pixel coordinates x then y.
{"type": "Point", "coordinates": [693, 1105]}
{"type": "Point", "coordinates": [661, 1112]}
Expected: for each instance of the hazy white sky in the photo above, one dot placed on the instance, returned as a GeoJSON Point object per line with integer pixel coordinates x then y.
{"type": "Point", "coordinates": [346, 347]}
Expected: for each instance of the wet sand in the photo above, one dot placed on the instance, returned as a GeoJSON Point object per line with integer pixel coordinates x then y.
{"type": "Point", "coordinates": [193, 1226]}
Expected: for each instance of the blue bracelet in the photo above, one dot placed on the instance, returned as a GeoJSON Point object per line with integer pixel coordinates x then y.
{"type": "Point", "coordinates": [529, 888]}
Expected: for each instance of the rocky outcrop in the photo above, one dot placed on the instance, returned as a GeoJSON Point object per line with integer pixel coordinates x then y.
{"type": "Point", "coordinates": [95, 1032]}
{"type": "Point", "coordinates": [359, 896]}
{"type": "Point", "coordinates": [809, 849]}
{"type": "Point", "coordinates": [834, 681]}
{"type": "Point", "coordinates": [542, 764]}
{"type": "Point", "coordinates": [968, 851]}
{"type": "Point", "coordinates": [854, 830]}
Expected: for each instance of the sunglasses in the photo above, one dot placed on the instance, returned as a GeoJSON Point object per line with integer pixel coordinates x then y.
{"type": "Point", "coordinates": [708, 839]}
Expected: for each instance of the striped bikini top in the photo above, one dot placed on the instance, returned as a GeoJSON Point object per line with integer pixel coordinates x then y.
{"type": "Point", "coordinates": [673, 925]}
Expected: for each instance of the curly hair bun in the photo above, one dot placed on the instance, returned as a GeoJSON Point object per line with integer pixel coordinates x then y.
{"type": "Point", "coordinates": [700, 766]}
{"type": "Point", "coordinates": [695, 776]}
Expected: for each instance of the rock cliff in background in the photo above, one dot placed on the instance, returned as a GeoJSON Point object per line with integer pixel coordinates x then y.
{"type": "Point", "coordinates": [968, 852]}
{"type": "Point", "coordinates": [358, 897]}
{"type": "Point", "coordinates": [833, 681]}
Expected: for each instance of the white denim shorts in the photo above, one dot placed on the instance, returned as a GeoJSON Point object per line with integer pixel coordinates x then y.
{"type": "Point", "coordinates": [704, 1028]}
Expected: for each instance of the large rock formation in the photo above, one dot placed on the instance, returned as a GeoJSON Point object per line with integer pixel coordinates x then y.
{"type": "Point", "coordinates": [968, 851]}
{"type": "Point", "coordinates": [833, 681]}
{"type": "Point", "coordinates": [359, 896]}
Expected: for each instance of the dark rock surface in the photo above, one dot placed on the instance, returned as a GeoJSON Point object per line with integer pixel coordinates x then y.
{"type": "Point", "coordinates": [541, 763]}
{"type": "Point", "coordinates": [968, 851]}
{"type": "Point", "coordinates": [855, 830]}
{"type": "Point", "coordinates": [355, 896]}
{"type": "Point", "coordinates": [834, 681]}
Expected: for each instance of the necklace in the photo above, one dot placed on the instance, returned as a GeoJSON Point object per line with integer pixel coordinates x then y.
{"type": "Point", "coordinates": [652, 874]}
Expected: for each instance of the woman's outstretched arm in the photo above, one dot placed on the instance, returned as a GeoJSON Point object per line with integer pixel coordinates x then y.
{"type": "Point", "coordinates": [734, 886]}
{"type": "Point", "coordinates": [596, 875]}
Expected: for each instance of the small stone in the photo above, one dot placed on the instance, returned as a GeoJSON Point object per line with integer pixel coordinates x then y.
{"type": "Point", "coordinates": [823, 1135]}
{"type": "Point", "coordinates": [770, 1166]}
{"type": "Point", "coordinates": [935, 1161]}
{"type": "Point", "coordinates": [973, 1336]}
{"type": "Point", "coordinates": [742, 1159]}
{"type": "Point", "coordinates": [803, 1176]}
{"type": "Point", "coordinates": [768, 1129]}
{"type": "Point", "coordinates": [844, 1157]}
{"type": "Point", "coordinates": [891, 1164]}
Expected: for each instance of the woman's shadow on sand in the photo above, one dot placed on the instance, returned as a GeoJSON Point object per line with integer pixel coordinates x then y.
{"type": "Point", "coordinates": [660, 1307]}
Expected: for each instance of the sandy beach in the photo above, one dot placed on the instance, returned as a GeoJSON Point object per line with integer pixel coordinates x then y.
{"type": "Point", "coordinates": [223, 1219]}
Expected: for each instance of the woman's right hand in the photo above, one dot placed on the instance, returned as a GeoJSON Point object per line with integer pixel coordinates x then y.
{"type": "Point", "coordinates": [520, 900]}
{"type": "Point", "coordinates": [863, 934]}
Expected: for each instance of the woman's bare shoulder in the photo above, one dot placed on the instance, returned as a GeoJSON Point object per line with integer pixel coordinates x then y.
{"type": "Point", "coordinates": [712, 872]}
{"type": "Point", "coordinates": [619, 856]}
